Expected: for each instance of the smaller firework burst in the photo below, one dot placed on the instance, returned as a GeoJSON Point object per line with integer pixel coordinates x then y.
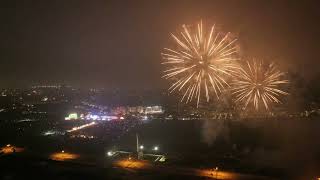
{"type": "Point", "coordinates": [258, 84]}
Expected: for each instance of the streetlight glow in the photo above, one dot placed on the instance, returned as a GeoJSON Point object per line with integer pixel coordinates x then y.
{"type": "Point", "coordinates": [141, 147]}
{"type": "Point", "coordinates": [156, 148]}
{"type": "Point", "coordinates": [110, 153]}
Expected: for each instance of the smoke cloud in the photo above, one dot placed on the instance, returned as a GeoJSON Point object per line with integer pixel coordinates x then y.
{"type": "Point", "coordinates": [212, 129]}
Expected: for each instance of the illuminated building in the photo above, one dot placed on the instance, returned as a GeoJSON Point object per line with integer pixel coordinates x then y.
{"type": "Point", "coordinates": [154, 110]}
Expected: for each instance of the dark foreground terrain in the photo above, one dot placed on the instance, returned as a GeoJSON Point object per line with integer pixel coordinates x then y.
{"type": "Point", "coordinates": [18, 168]}
{"type": "Point", "coordinates": [273, 148]}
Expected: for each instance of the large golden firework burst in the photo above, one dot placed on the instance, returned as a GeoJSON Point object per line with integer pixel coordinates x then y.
{"type": "Point", "coordinates": [201, 62]}
{"type": "Point", "coordinates": [258, 84]}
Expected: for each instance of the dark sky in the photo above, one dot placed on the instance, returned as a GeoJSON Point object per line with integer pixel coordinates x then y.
{"type": "Point", "coordinates": [118, 43]}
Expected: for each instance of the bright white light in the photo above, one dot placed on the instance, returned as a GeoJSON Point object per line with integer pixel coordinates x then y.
{"type": "Point", "coordinates": [156, 148]}
{"type": "Point", "coordinates": [110, 153]}
{"type": "Point", "coordinates": [141, 147]}
{"type": "Point", "coordinates": [145, 118]}
{"type": "Point", "coordinates": [94, 117]}
{"type": "Point", "coordinates": [121, 118]}
{"type": "Point", "coordinates": [49, 133]}
{"type": "Point", "coordinates": [81, 127]}
{"type": "Point", "coordinates": [162, 159]}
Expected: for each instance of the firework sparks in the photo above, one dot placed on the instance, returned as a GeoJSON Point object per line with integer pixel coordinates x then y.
{"type": "Point", "coordinates": [258, 84]}
{"type": "Point", "coordinates": [200, 63]}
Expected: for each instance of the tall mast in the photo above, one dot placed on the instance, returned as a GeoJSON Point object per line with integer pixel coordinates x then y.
{"type": "Point", "coordinates": [137, 137]}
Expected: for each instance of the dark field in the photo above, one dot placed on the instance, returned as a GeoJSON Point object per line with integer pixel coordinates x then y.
{"type": "Point", "coordinates": [268, 147]}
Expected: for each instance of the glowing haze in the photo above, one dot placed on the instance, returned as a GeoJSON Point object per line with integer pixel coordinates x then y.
{"type": "Point", "coordinates": [200, 63]}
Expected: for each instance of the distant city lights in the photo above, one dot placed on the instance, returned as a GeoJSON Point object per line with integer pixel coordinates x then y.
{"type": "Point", "coordinates": [82, 136]}
{"type": "Point", "coordinates": [92, 117]}
{"type": "Point", "coordinates": [96, 117]}
{"type": "Point", "coordinates": [154, 110]}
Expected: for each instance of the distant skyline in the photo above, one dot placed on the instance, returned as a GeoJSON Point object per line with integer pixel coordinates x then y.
{"type": "Point", "coordinates": [117, 44]}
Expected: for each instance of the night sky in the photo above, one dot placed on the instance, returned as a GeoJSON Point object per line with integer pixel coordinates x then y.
{"type": "Point", "coordinates": [117, 44]}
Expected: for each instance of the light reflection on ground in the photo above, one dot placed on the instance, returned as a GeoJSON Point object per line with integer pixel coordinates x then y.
{"type": "Point", "coordinates": [216, 174]}
{"type": "Point", "coordinates": [207, 173]}
{"type": "Point", "coordinates": [8, 149]}
{"type": "Point", "coordinates": [63, 156]}
{"type": "Point", "coordinates": [135, 164]}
